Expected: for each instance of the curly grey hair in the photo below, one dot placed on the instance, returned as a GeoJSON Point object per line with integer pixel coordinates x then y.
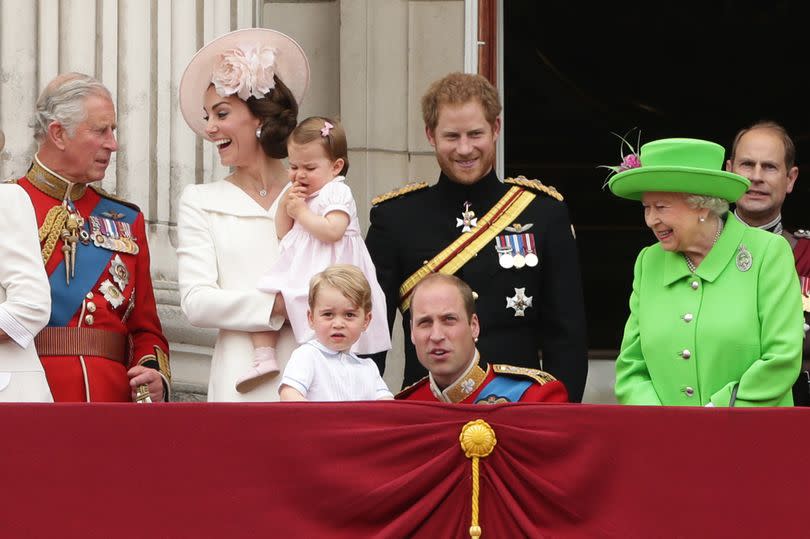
{"type": "Point", "coordinates": [716, 206]}
{"type": "Point", "coordinates": [62, 101]}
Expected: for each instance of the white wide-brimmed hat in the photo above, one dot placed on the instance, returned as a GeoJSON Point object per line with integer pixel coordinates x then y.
{"type": "Point", "coordinates": [289, 63]}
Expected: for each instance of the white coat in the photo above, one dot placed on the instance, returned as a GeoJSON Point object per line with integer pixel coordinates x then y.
{"type": "Point", "coordinates": [226, 242]}
{"type": "Point", "coordinates": [25, 299]}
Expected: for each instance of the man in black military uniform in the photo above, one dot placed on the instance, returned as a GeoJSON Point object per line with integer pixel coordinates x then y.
{"type": "Point", "coordinates": [511, 241]}
{"type": "Point", "coordinates": [765, 154]}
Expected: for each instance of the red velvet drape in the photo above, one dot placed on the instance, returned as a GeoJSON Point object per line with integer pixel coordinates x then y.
{"type": "Point", "coordinates": [395, 469]}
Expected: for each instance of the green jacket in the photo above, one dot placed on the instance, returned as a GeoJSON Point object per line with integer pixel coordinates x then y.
{"type": "Point", "coordinates": [691, 338]}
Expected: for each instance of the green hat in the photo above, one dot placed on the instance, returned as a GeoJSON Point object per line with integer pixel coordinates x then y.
{"type": "Point", "coordinates": [680, 165]}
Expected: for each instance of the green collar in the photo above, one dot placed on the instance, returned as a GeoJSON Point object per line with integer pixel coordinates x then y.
{"type": "Point", "coordinates": [718, 258]}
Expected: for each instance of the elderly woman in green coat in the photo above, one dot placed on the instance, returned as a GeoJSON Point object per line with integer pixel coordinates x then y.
{"type": "Point", "coordinates": [715, 311]}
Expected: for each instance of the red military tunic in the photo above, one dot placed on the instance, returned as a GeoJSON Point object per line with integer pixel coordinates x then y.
{"type": "Point", "coordinates": [110, 290]}
{"type": "Point", "coordinates": [801, 253]}
{"type": "Point", "coordinates": [499, 383]}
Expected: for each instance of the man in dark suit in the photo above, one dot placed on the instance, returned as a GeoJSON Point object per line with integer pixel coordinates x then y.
{"type": "Point", "coordinates": [511, 241]}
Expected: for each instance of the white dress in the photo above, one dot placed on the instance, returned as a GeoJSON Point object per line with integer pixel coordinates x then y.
{"type": "Point", "coordinates": [226, 241]}
{"type": "Point", "coordinates": [25, 299]}
{"type": "Point", "coordinates": [303, 255]}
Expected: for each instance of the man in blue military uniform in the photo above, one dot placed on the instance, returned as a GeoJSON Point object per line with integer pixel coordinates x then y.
{"type": "Point", "coordinates": [511, 241]}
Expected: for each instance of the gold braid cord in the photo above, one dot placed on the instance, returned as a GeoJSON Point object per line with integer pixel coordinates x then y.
{"type": "Point", "coordinates": [51, 230]}
{"type": "Point", "coordinates": [477, 441]}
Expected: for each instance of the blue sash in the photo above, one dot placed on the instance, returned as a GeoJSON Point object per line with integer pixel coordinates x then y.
{"type": "Point", "coordinates": [504, 387]}
{"type": "Point", "coordinates": [90, 263]}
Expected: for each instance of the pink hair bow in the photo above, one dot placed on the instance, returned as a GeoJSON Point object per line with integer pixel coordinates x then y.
{"type": "Point", "coordinates": [326, 128]}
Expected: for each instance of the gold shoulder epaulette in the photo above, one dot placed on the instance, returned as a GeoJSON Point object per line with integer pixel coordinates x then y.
{"type": "Point", "coordinates": [535, 185]}
{"type": "Point", "coordinates": [396, 193]}
{"type": "Point", "coordinates": [116, 198]}
{"type": "Point", "coordinates": [802, 234]}
{"type": "Point", "coordinates": [411, 388]}
{"type": "Point", "coordinates": [541, 377]}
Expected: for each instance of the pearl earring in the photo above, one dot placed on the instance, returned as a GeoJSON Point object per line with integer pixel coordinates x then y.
{"type": "Point", "coordinates": [702, 219]}
{"type": "Point", "coordinates": [259, 132]}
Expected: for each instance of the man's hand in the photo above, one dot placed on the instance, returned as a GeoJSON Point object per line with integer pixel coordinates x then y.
{"type": "Point", "coordinates": [143, 375]}
{"type": "Point", "coordinates": [4, 336]}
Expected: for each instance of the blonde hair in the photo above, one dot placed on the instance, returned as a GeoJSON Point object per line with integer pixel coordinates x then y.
{"type": "Point", "coordinates": [346, 279]}
{"type": "Point", "coordinates": [457, 89]}
{"type": "Point", "coordinates": [334, 142]}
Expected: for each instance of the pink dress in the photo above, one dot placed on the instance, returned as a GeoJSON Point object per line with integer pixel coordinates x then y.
{"type": "Point", "coordinates": [303, 255]}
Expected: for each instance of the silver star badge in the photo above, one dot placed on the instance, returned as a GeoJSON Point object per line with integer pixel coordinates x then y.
{"type": "Point", "coordinates": [468, 219]}
{"type": "Point", "coordinates": [119, 272]}
{"type": "Point", "coordinates": [519, 302]}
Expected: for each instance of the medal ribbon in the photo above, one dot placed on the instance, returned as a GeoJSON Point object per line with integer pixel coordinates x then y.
{"type": "Point", "coordinates": [458, 253]}
{"type": "Point", "coordinates": [66, 299]}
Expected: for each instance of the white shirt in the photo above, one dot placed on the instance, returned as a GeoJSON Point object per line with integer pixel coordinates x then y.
{"type": "Point", "coordinates": [322, 374]}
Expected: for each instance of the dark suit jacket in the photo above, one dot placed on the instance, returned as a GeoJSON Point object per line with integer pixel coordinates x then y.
{"type": "Point", "coordinates": [407, 231]}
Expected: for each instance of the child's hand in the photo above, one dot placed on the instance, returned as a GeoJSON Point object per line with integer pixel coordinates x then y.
{"type": "Point", "coordinates": [295, 200]}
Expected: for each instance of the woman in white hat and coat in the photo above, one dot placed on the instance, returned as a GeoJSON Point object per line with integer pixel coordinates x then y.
{"type": "Point", "coordinates": [241, 92]}
{"type": "Point", "coordinates": [25, 299]}
{"type": "Point", "coordinates": [715, 313]}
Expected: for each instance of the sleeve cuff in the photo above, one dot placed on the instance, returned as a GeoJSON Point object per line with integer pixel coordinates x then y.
{"type": "Point", "coordinates": [298, 386]}
{"type": "Point", "coordinates": [16, 331]}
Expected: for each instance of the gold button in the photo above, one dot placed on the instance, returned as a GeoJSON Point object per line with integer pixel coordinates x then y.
{"type": "Point", "coordinates": [88, 319]}
{"type": "Point", "coordinates": [89, 295]}
{"type": "Point", "coordinates": [91, 307]}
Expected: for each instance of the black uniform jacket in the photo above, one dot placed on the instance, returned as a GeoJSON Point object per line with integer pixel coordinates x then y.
{"type": "Point", "coordinates": [406, 231]}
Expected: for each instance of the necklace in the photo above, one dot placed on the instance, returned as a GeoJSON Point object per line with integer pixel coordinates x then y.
{"type": "Point", "coordinates": [262, 192]}
{"type": "Point", "coordinates": [691, 265]}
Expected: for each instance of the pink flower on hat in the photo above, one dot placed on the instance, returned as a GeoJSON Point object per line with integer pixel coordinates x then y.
{"type": "Point", "coordinates": [629, 161]}
{"type": "Point", "coordinates": [245, 71]}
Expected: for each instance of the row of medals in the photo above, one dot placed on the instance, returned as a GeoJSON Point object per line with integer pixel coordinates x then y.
{"type": "Point", "coordinates": [507, 260]}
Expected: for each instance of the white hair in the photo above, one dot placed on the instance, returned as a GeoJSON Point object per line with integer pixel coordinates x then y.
{"type": "Point", "coordinates": [62, 101]}
{"type": "Point", "coordinates": [716, 206]}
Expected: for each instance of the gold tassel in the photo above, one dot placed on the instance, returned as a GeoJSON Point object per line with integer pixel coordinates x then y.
{"type": "Point", "coordinates": [51, 229]}
{"type": "Point", "coordinates": [477, 441]}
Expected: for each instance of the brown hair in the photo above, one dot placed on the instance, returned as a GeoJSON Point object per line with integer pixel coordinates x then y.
{"type": "Point", "coordinates": [787, 142]}
{"type": "Point", "coordinates": [345, 278]}
{"type": "Point", "coordinates": [278, 112]}
{"type": "Point", "coordinates": [334, 143]}
{"type": "Point", "coordinates": [456, 89]}
{"type": "Point", "coordinates": [463, 289]}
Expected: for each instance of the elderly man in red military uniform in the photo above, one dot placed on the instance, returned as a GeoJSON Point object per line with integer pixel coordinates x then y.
{"type": "Point", "coordinates": [444, 330]}
{"type": "Point", "coordinates": [104, 340]}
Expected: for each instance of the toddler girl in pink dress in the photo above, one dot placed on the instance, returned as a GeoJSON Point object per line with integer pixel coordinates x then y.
{"type": "Point", "coordinates": [318, 226]}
